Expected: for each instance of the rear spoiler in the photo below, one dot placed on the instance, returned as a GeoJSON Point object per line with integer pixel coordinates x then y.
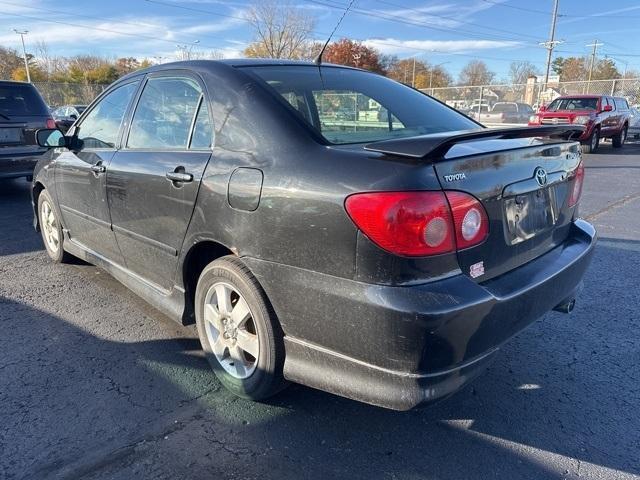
{"type": "Point", "coordinates": [436, 145]}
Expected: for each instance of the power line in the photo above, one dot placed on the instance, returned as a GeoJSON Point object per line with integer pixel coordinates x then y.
{"type": "Point", "coordinates": [457, 20]}
{"type": "Point", "coordinates": [398, 19]}
{"type": "Point", "coordinates": [566, 15]}
{"type": "Point", "coordinates": [102, 29]}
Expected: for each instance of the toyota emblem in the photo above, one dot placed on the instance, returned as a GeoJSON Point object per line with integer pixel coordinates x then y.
{"type": "Point", "coordinates": [540, 175]}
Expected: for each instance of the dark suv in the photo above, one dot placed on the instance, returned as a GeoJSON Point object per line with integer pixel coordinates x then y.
{"type": "Point", "coordinates": [603, 117]}
{"type": "Point", "coordinates": [385, 258]}
{"type": "Point", "coordinates": [22, 112]}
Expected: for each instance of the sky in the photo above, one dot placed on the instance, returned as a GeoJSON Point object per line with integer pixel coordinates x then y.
{"type": "Point", "coordinates": [448, 32]}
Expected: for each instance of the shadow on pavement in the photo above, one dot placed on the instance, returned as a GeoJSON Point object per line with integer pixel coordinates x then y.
{"type": "Point", "coordinates": [75, 403]}
{"type": "Point", "coordinates": [16, 228]}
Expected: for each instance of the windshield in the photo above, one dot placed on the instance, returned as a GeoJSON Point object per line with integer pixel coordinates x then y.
{"type": "Point", "coordinates": [573, 104]}
{"type": "Point", "coordinates": [19, 100]}
{"type": "Point", "coordinates": [352, 106]}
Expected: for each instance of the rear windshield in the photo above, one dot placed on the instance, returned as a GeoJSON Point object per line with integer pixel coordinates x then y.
{"type": "Point", "coordinates": [573, 104]}
{"type": "Point", "coordinates": [504, 107]}
{"type": "Point", "coordinates": [20, 100]}
{"type": "Point", "coordinates": [352, 106]}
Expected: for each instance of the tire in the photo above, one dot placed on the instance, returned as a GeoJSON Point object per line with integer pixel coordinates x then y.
{"type": "Point", "coordinates": [618, 140]}
{"type": "Point", "coordinates": [51, 229]}
{"type": "Point", "coordinates": [244, 347]}
{"type": "Point", "coordinates": [591, 145]}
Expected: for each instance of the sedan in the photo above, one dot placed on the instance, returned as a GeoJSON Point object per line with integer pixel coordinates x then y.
{"type": "Point", "coordinates": [385, 260]}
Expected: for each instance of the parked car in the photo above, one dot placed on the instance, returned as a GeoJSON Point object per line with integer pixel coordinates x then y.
{"type": "Point", "coordinates": [22, 112]}
{"type": "Point", "coordinates": [506, 112]}
{"type": "Point", "coordinates": [634, 123]}
{"type": "Point", "coordinates": [602, 115]}
{"type": "Point", "coordinates": [66, 115]}
{"type": "Point", "coordinates": [385, 265]}
{"type": "Point", "coordinates": [477, 111]}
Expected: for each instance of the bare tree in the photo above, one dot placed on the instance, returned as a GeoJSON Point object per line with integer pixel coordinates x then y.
{"type": "Point", "coordinates": [521, 70]}
{"type": "Point", "coordinates": [476, 72]}
{"type": "Point", "coordinates": [281, 30]}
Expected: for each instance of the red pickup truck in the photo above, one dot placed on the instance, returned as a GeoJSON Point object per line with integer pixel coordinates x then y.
{"type": "Point", "coordinates": [603, 117]}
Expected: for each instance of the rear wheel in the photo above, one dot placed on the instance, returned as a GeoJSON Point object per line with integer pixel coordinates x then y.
{"type": "Point", "coordinates": [51, 229]}
{"type": "Point", "coordinates": [591, 145]}
{"type": "Point", "coordinates": [239, 331]}
{"type": "Point", "coordinates": [618, 140]}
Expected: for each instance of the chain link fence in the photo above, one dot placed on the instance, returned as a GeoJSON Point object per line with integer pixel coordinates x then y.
{"type": "Point", "coordinates": [57, 94]}
{"type": "Point", "coordinates": [480, 99]}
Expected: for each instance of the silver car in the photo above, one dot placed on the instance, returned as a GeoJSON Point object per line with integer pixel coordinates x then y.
{"type": "Point", "coordinates": [634, 123]}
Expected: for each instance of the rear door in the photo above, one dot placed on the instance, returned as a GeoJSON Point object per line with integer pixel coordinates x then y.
{"type": "Point", "coordinates": [80, 173]}
{"type": "Point", "coordinates": [152, 183]}
{"type": "Point", "coordinates": [524, 187]}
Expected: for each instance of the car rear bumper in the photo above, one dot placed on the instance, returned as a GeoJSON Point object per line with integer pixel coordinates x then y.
{"type": "Point", "coordinates": [15, 165]}
{"type": "Point", "coordinates": [399, 347]}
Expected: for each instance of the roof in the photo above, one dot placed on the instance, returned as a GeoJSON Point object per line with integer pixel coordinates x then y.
{"type": "Point", "coordinates": [232, 62]}
{"type": "Point", "coordinates": [584, 95]}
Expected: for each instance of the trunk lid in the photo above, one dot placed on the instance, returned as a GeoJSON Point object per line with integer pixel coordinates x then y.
{"type": "Point", "coordinates": [524, 186]}
{"type": "Point", "coordinates": [522, 179]}
{"type": "Point", "coordinates": [18, 134]}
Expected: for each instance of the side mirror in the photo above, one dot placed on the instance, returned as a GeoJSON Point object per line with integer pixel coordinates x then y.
{"type": "Point", "coordinates": [73, 116]}
{"type": "Point", "coordinates": [607, 108]}
{"type": "Point", "coordinates": [543, 108]}
{"type": "Point", "coordinates": [51, 138]}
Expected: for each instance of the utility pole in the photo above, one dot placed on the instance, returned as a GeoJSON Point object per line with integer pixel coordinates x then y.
{"type": "Point", "coordinates": [595, 46]}
{"type": "Point", "coordinates": [551, 43]}
{"type": "Point", "coordinates": [413, 77]}
{"type": "Point", "coordinates": [22, 33]}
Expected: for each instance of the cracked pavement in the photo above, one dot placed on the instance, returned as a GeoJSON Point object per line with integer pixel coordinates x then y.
{"type": "Point", "coordinates": [96, 384]}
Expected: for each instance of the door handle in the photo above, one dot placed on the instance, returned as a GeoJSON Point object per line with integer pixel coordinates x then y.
{"type": "Point", "coordinates": [180, 177]}
{"type": "Point", "coordinates": [98, 168]}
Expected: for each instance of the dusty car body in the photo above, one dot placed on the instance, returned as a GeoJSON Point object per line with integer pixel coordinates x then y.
{"type": "Point", "coordinates": [388, 264]}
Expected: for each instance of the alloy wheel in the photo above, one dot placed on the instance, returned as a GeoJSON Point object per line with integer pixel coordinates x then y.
{"type": "Point", "coordinates": [49, 225]}
{"type": "Point", "coordinates": [231, 330]}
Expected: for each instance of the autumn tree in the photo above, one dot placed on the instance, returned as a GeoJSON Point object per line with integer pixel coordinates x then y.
{"type": "Point", "coordinates": [577, 68]}
{"type": "Point", "coordinates": [9, 61]}
{"type": "Point", "coordinates": [474, 73]}
{"type": "Point", "coordinates": [280, 30]}
{"type": "Point", "coordinates": [426, 75]}
{"type": "Point", "coordinates": [354, 54]}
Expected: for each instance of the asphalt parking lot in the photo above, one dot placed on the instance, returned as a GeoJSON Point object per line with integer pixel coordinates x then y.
{"type": "Point", "coordinates": [96, 384]}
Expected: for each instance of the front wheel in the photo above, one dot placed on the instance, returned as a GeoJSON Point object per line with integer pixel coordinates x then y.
{"type": "Point", "coordinates": [618, 140]}
{"type": "Point", "coordinates": [51, 229]}
{"type": "Point", "coordinates": [238, 330]}
{"type": "Point", "coordinates": [591, 145]}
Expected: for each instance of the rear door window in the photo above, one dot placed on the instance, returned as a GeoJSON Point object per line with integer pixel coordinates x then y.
{"type": "Point", "coordinates": [165, 113]}
{"type": "Point", "coordinates": [202, 129]}
{"type": "Point", "coordinates": [351, 106]}
{"type": "Point", "coordinates": [101, 126]}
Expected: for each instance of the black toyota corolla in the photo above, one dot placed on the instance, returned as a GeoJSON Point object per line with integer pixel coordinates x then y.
{"type": "Point", "coordinates": [384, 255]}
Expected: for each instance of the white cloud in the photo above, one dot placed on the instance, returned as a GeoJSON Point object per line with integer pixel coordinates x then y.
{"type": "Point", "coordinates": [391, 46]}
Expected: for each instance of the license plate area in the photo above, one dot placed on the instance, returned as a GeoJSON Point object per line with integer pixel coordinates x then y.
{"type": "Point", "coordinates": [529, 214]}
{"type": "Point", "coordinates": [10, 136]}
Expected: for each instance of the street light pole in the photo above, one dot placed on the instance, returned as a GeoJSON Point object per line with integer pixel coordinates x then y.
{"type": "Point", "coordinates": [22, 33]}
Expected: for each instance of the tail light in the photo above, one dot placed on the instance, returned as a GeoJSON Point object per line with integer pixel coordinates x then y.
{"type": "Point", "coordinates": [576, 187]}
{"type": "Point", "coordinates": [51, 123]}
{"type": "Point", "coordinates": [470, 220]}
{"type": "Point", "coordinates": [417, 224]}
